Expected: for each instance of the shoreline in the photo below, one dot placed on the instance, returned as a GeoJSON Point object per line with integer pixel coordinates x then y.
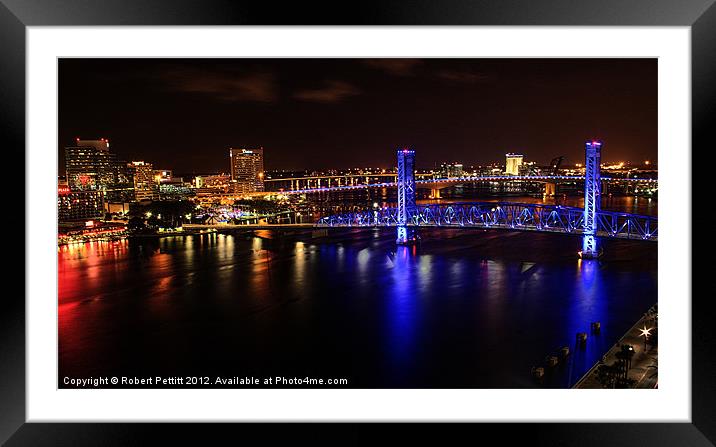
{"type": "Point", "coordinates": [644, 359]}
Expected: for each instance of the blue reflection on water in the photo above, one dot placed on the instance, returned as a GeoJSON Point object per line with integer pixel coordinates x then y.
{"type": "Point", "coordinates": [588, 304]}
{"type": "Point", "coordinates": [525, 311]}
{"type": "Point", "coordinates": [402, 313]}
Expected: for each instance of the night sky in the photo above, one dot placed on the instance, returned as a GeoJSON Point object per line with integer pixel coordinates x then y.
{"type": "Point", "coordinates": [184, 114]}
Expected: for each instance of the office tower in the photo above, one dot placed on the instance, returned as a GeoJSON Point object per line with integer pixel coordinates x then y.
{"type": "Point", "coordinates": [247, 169]}
{"type": "Point", "coordinates": [91, 166]}
{"type": "Point", "coordinates": [513, 163]}
{"type": "Point", "coordinates": [145, 184]}
{"type": "Point", "coordinates": [451, 170]}
{"type": "Point", "coordinates": [77, 205]}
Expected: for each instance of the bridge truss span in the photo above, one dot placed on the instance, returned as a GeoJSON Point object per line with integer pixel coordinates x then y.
{"type": "Point", "coordinates": [503, 215]}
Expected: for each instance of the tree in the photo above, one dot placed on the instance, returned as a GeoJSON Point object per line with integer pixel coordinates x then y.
{"type": "Point", "coordinates": [136, 224]}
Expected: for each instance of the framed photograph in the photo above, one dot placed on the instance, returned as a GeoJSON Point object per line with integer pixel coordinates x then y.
{"type": "Point", "coordinates": [465, 213]}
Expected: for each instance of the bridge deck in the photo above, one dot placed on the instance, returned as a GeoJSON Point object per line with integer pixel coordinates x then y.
{"type": "Point", "coordinates": [505, 215]}
{"type": "Point", "coordinates": [442, 182]}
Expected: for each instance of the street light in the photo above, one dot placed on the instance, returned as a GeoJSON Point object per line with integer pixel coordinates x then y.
{"type": "Point", "coordinates": [645, 332]}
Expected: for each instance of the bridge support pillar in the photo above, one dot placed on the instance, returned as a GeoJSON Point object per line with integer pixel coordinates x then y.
{"type": "Point", "coordinates": [435, 193]}
{"type": "Point", "coordinates": [550, 189]}
{"type": "Point", "coordinates": [407, 233]}
{"type": "Point", "coordinates": [592, 199]}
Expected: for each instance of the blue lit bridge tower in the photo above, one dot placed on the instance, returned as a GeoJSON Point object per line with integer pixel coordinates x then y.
{"type": "Point", "coordinates": [592, 199]}
{"type": "Point", "coordinates": [406, 196]}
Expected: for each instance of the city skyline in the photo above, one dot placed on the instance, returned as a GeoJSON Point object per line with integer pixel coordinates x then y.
{"type": "Point", "coordinates": [428, 211]}
{"type": "Point", "coordinates": [342, 113]}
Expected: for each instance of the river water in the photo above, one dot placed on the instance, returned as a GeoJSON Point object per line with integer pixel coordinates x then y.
{"type": "Point", "coordinates": [464, 309]}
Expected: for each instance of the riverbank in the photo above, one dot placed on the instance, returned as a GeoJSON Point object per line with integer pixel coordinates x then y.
{"type": "Point", "coordinates": [120, 235]}
{"type": "Point", "coordinates": [641, 362]}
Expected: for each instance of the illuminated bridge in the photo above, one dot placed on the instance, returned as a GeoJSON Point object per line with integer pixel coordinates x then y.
{"type": "Point", "coordinates": [505, 215]}
{"type": "Point", "coordinates": [590, 222]}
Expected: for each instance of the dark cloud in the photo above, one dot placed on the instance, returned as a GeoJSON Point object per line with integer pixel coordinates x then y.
{"type": "Point", "coordinates": [258, 86]}
{"type": "Point", "coordinates": [467, 77]}
{"type": "Point", "coordinates": [331, 92]}
{"type": "Point", "coordinates": [397, 67]}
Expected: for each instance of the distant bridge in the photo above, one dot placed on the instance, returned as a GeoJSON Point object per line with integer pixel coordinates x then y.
{"type": "Point", "coordinates": [434, 184]}
{"type": "Point", "coordinates": [591, 222]}
{"type": "Point", "coordinates": [505, 215]}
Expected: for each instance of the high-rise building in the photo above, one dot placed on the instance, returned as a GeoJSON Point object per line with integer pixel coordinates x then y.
{"type": "Point", "coordinates": [247, 169]}
{"type": "Point", "coordinates": [91, 166]}
{"type": "Point", "coordinates": [123, 188]}
{"type": "Point", "coordinates": [451, 170]}
{"type": "Point", "coordinates": [145, 184]}
{"type": "Point", "coordinates": [513, 163]}
{"type": "Point", "coordinates": [528, 168]}
{"type": "Point", "coordinates": [77, 205]}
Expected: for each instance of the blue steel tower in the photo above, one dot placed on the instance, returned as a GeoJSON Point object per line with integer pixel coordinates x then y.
{"type": "Point", "coordinates": [406, 196]}
{"type": "Point", "coordinates": [592, 198]}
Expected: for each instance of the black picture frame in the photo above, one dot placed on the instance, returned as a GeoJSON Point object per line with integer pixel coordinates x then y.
{"type": "Point", "coordinates": [16, 15]}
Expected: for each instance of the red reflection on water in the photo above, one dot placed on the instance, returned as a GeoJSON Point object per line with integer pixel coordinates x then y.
{"type": "Point", "coordinates": [85, 273]}
{"type": "Point", "coordinates": [79, 267]}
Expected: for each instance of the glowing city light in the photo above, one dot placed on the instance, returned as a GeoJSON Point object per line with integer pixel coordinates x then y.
{"type": "Point", "coordinates": [645, 332]}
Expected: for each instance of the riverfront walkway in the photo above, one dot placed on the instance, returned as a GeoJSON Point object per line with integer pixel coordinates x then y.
{"type": "Point", "coordinates": [643, 371]}
{"type": "Point", "coordinates": [226, 226]}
